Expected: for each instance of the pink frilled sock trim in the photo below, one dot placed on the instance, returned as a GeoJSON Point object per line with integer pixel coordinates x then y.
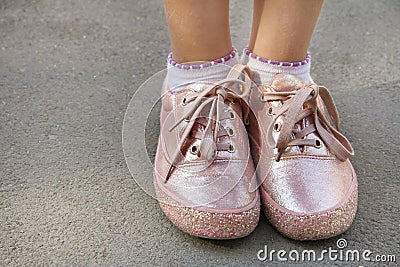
{"type": "Point", "coordinates": [178, 65]}
{"type": "Point", "coordinates": [305, 61]}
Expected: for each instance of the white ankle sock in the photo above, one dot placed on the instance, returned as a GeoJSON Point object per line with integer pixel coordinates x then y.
{"type": "Point", "coordinates": [180, 74]}
{"type": "Point", "coordinates": [264, 69]}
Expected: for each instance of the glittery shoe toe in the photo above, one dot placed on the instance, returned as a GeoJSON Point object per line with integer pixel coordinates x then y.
{"type": "Point", "coordinates": [315, 210]}
{"type": "Point", "coordinates": [214, 223]}
{"type": "Point", "coordinates": [308, 185]}
{"type": "Point", "coordinates": [203, 166]}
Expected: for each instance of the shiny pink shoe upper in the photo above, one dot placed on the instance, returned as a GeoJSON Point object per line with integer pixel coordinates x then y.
{"type": "Point", "coordinates": [201, 162]}
{"type": "Point", "coordinates": [308, 169]}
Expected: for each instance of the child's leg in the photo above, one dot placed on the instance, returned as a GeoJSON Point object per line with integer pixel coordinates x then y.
{"type": "Point", "coordinates": [281, 33]}
{"type": "Point", "coordinates": [203, 167]}
{"type": "Point", "coordinates": [282, 29]}
{"type": "Point", "coordinates": [311, 177]}
{"type": "Point", "coordinates": [199, 30]}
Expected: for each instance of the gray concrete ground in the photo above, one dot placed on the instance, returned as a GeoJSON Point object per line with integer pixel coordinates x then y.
{"type": "Point", "coordinates": [67, 72]}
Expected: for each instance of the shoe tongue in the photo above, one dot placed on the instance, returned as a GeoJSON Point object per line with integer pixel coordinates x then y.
{"type": "Point", "coordinates": [287, 82]}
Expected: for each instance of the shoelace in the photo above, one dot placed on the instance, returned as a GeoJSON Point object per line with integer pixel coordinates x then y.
{"type": "Point", "coordinates": [309, 102]}
{"type": "Point", "coordinates": [213, 96]}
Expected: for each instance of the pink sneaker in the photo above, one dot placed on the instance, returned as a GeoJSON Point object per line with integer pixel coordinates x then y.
{"type": "Point", "coordinates": [203, 165]}
{"type": "Point", "coordinates": [310, 190]}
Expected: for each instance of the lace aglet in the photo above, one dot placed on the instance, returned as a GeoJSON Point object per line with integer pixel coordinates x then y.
{"type": "Point", "coordinates": [174, 126]}
{"type": "Point", "coordinates": [171, 169]}
{"type": "Point", "coordinates": [278, 156]}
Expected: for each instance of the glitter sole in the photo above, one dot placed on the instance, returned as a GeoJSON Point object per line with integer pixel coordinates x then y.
{"type": "Point", "coordinates": [319, 225]}
{"type": "Point", "coordinates": [210, 223]}
{"type": "Point", "coordinates": [213, 225]}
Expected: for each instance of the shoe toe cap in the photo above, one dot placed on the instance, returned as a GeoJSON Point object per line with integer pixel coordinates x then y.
{"type": "Point", "coordinates": [309, 185]}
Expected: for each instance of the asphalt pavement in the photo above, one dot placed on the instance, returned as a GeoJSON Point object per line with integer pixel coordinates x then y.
{"type": "Point", "coordinates": [68, 70]}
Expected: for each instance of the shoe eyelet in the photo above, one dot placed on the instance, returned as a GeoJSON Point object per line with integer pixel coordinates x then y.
{"type": "Point", "coordinates": [230, 131]}
{"type": "Point", "coordinates": [277, 127]}
{"type": "Point", "coordinates": [184, 101]}
{"type": "Point", "coordinates": [262, 98]}
{"type": "Point", "coordinates": [318, 143]}
{"type": "Point", "coordinates": [231, 148]}
{"type": "Point", "coordinates": [270, 112]}
{"type": "Point", "coordinates": [186, 119]}
{"type": "Point", "coordinates": [232, 115]}
{"type": "Point", "coordinates": [194, 150]}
